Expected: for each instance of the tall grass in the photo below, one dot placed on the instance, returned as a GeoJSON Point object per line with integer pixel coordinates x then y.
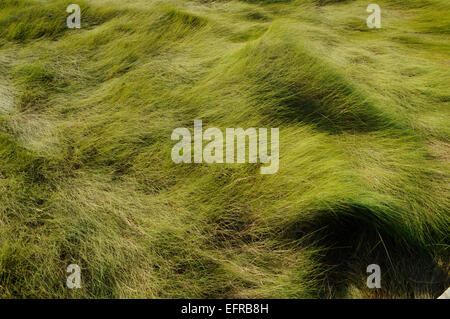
{"type": "Point", "coordinates": [86, 175]}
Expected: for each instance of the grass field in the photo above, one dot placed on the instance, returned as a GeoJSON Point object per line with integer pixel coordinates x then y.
{"type": "Point", "coordinates": [86, 175]}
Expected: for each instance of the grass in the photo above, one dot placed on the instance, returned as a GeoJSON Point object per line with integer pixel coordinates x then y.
{"type": "Point", "coordinates": [86, 175]}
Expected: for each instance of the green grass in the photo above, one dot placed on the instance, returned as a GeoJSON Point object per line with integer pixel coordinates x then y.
{"type": "Point", "coordinates": [86, 175]}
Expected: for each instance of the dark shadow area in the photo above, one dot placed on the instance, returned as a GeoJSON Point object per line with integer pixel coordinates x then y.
{"type": "Point", "coordinates": [351, 244]}
{"type": "Point", "coordinates": [309, 110]}
{"type": "Point", "coordinates": [293, 85]}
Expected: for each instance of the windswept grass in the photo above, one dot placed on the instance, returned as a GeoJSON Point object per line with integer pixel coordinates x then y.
{"type": "Point", "coordinates": [86, 175]}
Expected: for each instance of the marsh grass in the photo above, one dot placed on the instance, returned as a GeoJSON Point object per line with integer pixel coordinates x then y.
{"type": "Point", "coordinates": [85, 169]}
